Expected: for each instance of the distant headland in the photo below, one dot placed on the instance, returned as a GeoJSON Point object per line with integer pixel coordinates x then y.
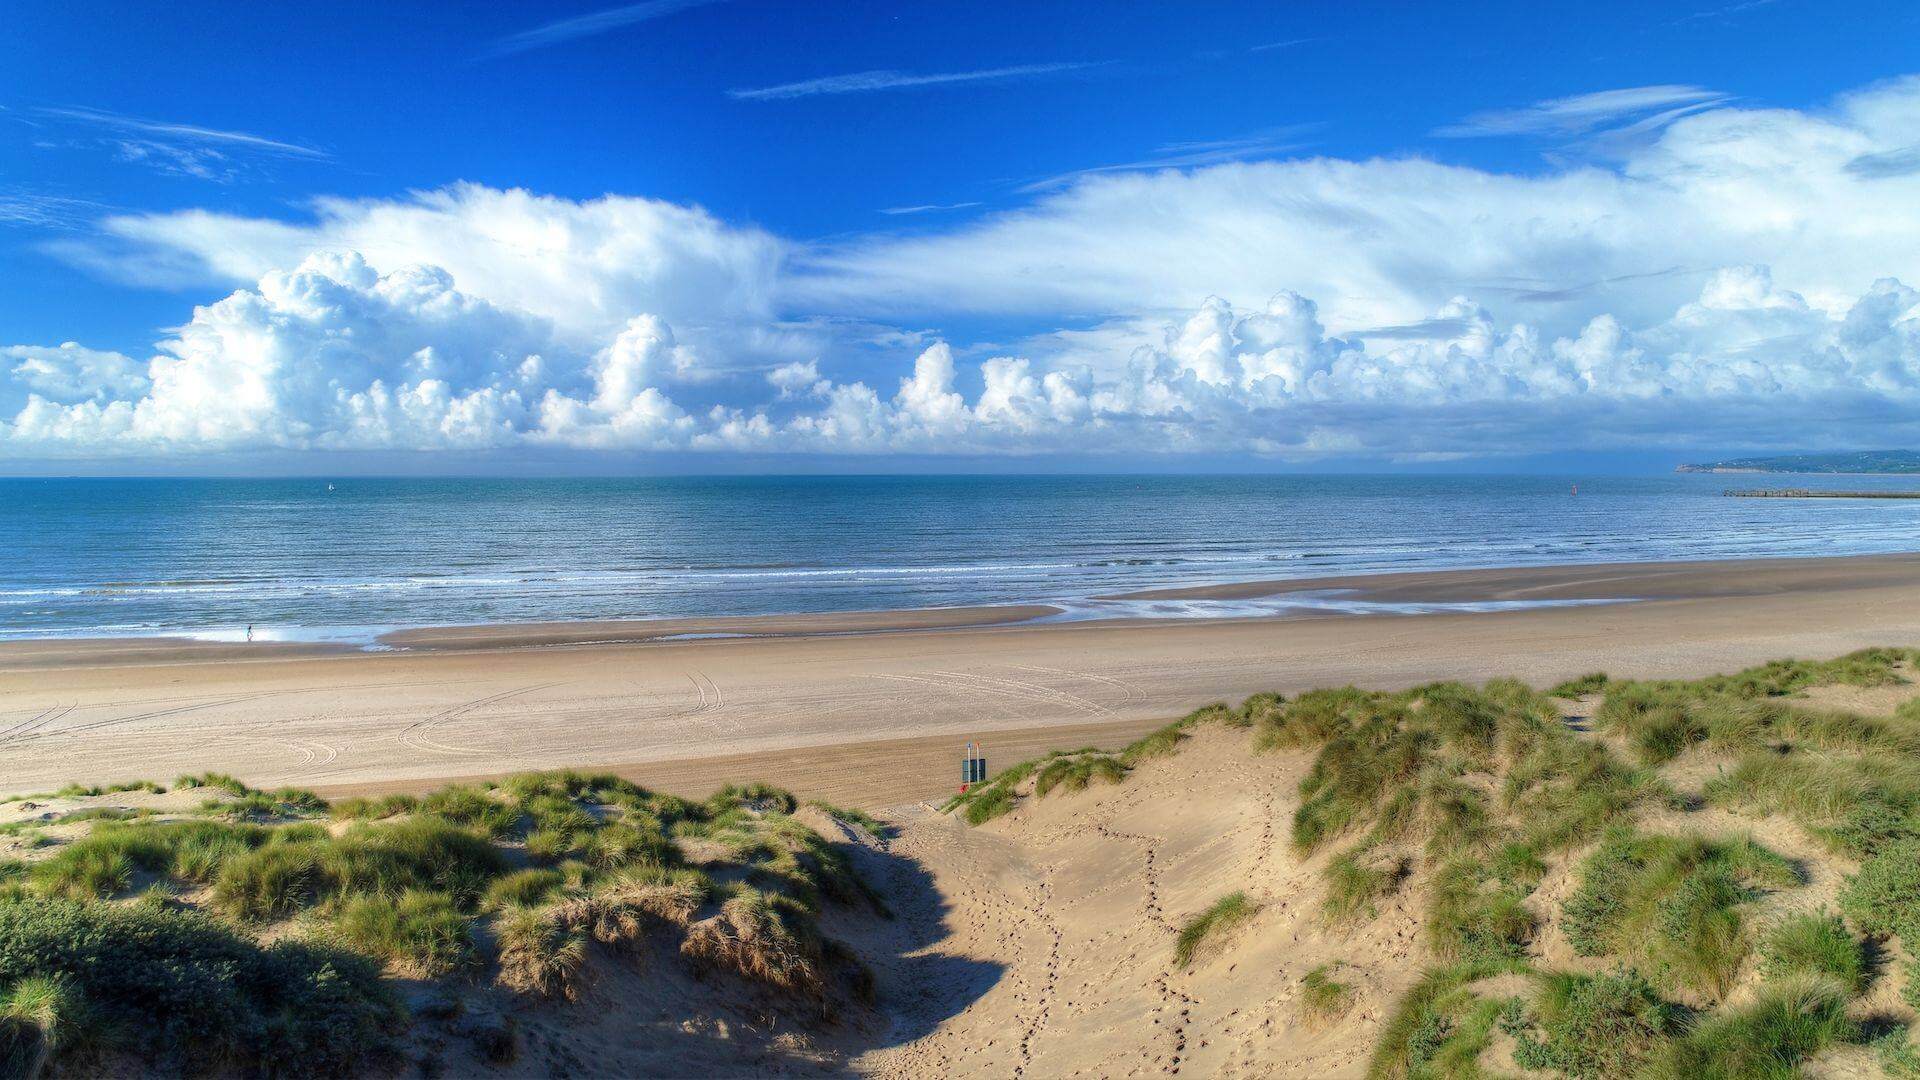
{"type": "Point", "coordinates": [1863, 461]}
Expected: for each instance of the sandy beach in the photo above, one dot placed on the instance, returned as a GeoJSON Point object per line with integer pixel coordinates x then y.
{"type": "Point", "coordinates": [861, 707]}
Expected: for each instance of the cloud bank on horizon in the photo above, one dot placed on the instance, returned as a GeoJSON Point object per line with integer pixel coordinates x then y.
{"type": "Point", "coordinates": [1719, 274]}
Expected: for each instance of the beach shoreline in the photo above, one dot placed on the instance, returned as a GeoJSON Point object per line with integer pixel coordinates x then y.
{"type": "Point", "coordinates": [467, 702]}
{"type": "Point", "coordinates": [1382, 594]}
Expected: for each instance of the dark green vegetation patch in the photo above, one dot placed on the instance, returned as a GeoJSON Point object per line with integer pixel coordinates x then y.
{"type": "Point", "coordinates": [1460, 801]}
{"type": "Point", "coordinates": [136, 940]}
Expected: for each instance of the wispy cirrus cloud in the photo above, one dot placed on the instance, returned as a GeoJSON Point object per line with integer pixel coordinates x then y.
{"type": "Point", "coordinates": [1726, 11]}
{"type": "Point", "coordinates": [1287, 44]}
{"type": "Point", "coordinates": [182, 149]}
{"type": "Point", "coordinates": [1584, 114]}
{"type": "Point", "coordinates": [178, 133]}
{"type": "Point", "coordinates": [929, 208]}
{"type": "Point", "coordinates": [1256, 146]}
{"type": "Point", "coordinates": [589, 25]}
{"type": "Point", "coordinates": [38, 210]}
{"type": "Point", "coordinates": [865, 82]}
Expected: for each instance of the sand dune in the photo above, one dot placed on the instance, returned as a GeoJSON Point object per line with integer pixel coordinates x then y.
{"type": "Point", "coordinates": [1078, 901]}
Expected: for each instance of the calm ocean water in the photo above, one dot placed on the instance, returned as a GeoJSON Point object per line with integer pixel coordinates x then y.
{"type": "Point", "coordinates": [297, 559]}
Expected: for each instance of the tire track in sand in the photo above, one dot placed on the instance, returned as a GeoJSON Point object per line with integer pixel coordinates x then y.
{"type": "Point", "coordinates": [1128, 691]}
{"type": "Point", "coordinates": [34, 723]}
{"type": "Point", "coordinates": [1002, 688]}
{"type": "Point", "coordinates": [310, 758]}
{"type": "Point", "coordinates": [95, 725]}
{"type": "Point", "coordinates": [712, 699]}
{"type": "Point", "coordinates": [414, 734]}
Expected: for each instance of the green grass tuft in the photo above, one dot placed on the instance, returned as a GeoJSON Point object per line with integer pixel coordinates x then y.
{"type": "Point", "coordinates": [858, 818]}
{"type": "Point", "coordinates": [1440, 1027]}
{"type": "Point", "coordinates": [1358, 878]}
{"type": "Point", "coordinates": [1077, 773]}
{"type": "Point", "coordinates": [1673, 904]}
{"type": "Point", "coordinates": [1475, 914]}
{"type": "Point", "coordinates": [1591, 683]}
{"type": "Point", "coordinates": [525, 888]}
{"type": "Point", "coordinates": [1788, 1022]}
{"type": "Point", "coordinates": [1322, 997]}
{"type": "Point", "coordinates": [1815, 944]}
{"type": "Point", "coordinates": [1226, 913]}
{"type": "Point", "coordinates": [422, 933]}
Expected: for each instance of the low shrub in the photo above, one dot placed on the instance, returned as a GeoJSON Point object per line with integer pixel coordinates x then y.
{"type": "Point", "coordinates": [1593, 1026]}
{"type": "Point", "coordinates": [185, 994]}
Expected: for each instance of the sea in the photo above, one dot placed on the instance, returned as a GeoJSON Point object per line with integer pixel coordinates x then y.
{"type": "Point", "coordinates": [349, 559]}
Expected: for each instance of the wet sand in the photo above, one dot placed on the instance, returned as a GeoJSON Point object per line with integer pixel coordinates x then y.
{"type": "Point", "coordinates": [482, 701]}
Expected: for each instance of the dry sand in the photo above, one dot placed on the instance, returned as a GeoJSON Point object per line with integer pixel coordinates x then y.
{"type": "Point", "coordinates": [1063, 917]}
{"type": "Point", "coordinates": [481, 701]}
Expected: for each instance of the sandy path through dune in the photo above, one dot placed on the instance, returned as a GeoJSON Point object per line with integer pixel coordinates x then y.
{"type": "Point", "coordinates": [1076, 903]}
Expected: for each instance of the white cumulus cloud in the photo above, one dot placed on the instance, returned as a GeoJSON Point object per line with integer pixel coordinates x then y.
{"type": "Point", "coordinates": [1739, 278]}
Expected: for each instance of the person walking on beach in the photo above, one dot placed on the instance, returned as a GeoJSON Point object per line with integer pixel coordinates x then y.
{"type": "Point", "coordinates": [249, 632]}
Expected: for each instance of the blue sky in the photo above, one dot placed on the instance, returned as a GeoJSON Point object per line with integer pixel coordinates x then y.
{"type": "Point", "coordinates": [816, 195]}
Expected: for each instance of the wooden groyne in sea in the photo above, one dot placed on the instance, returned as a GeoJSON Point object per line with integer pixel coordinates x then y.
{"type": "Point", "coordinates": [1804, 493]}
